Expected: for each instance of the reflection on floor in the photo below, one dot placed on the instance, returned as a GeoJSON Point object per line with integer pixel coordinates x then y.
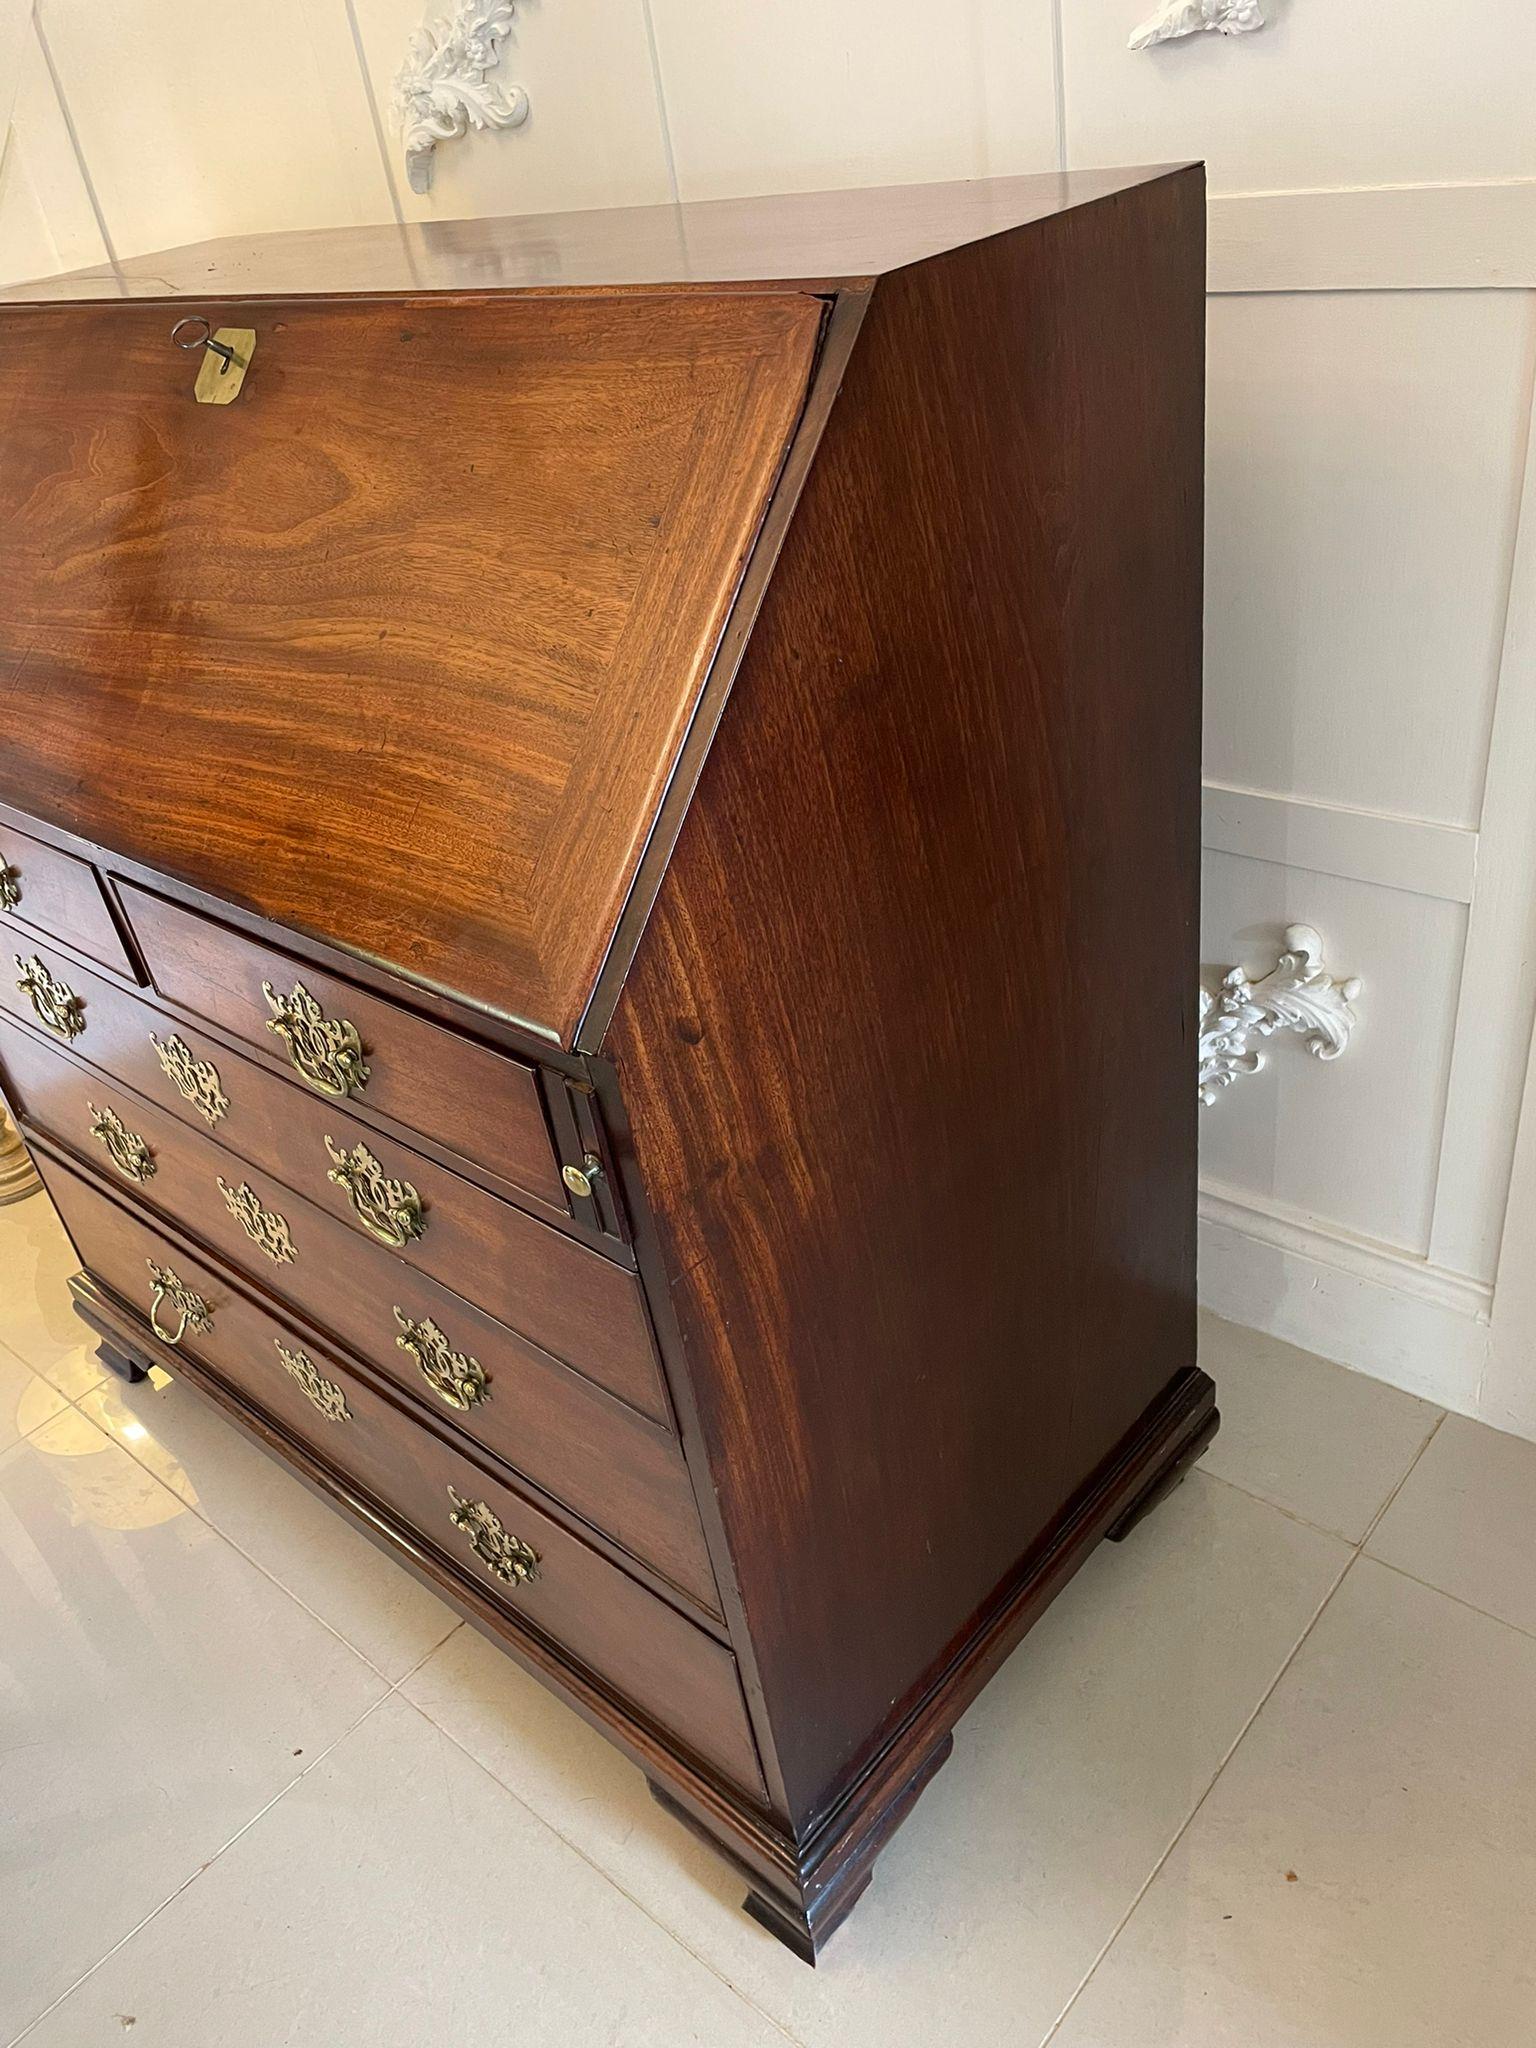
{"type": "Point", "coordinates": [1262, 1777]}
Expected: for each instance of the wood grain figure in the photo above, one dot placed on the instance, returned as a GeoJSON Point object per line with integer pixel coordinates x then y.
{"type": "Point", "coordinates": [634, 799]}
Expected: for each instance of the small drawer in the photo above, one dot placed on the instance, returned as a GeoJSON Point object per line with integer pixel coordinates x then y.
{"type": "Point", "coordinates": [541, 1573]}
{"type": "Point", "coordinates": [51, 895]}
{"type": "Point", "coordinates": [348, 1046]}
{"type": "Point", "coordinates": [621, 1473]}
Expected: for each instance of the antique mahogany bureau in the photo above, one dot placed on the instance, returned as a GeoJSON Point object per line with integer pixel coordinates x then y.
{"type": "Point", "coordinates": [599, 869]}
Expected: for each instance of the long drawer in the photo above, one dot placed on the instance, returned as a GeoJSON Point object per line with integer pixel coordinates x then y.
{"type": "Point", "coordinates": [557, 1292]}
{"type": "Point", "coordinates": [678, 1676]}
{"type": "Point", "coordinates": [617, 1470]}
{"type": "Point", "coordinates": [350, 1045]}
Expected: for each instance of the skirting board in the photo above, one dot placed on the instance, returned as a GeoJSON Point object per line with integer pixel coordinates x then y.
{"type": "Point", "coordinates": [1384, 1314]}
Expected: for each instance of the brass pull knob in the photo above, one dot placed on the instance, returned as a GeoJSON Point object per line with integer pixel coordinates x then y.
{"type": "Point", "coordinates": [195, 1081]}
{"type": "Point", "coordinates": [580, 1179]}
{"type": "Point", "coordinates": [321, 1393]}
{"type": "Point", "coordinates": [389, 1210]}
{"type": "Point", "coordinates": [57, 1006]}
{"type": "Point", "coordinates": [126, 1149]}
{"type": "Point", "coordinates": [452, 1375]}
{"type": "Point", "coordinates": [325, 1051]}
{"type": "Point", "coordinates": [192, 1311]}
{"type": "Point", "coordinates": [10, 886]}
{"type": "Point", "coordinates": [502, 1553]}
{"type": "Point", "coordinates": [264, 1227]}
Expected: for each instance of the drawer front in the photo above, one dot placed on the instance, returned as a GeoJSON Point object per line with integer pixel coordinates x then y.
{"type": "Point", "coordinates": [676, 1674]}
{"type": "Point", "coordinates": [617, 1471]}
{"type": "Point", "coordinates": [51, 895]}
{"type": "Point", "coordinates": [551, 1289]}
{"type": "Point", "coordinates": [483, 1105]}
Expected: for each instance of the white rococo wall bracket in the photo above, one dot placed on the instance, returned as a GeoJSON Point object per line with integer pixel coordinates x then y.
{"type": "Point", "coordinates": [1177, 18]}
{"type": "Point", "coordinates": [1298, 994]}
{"type": "Point", "coordinates": [442, 91]}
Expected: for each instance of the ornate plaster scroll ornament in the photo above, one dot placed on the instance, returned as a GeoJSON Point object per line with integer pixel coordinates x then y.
{"type": "Point", "coordinates": [441, 90]}
{"type": "Point", "coordinates": [1188, 17]}
{"type": "Point", "coordinates": [1298, 994]}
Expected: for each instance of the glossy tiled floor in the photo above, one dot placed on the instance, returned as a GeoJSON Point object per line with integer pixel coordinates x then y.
{"type": "Point", "coordinates": [1263, 1778]}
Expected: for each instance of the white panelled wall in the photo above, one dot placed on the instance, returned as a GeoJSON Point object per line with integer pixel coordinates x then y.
{"type": "Point", "coordinates": [1371, 619]}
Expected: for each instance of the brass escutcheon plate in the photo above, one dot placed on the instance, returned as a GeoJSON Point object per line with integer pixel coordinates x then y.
{"type": "Point", "coordinates": [452, 1375]}
{"type": "Point", "coordinates": [326, 1052]}
{"type": "Point", "coordinates": [507, 1556]}
{"type": "Point", "coordinates": [389, 1210]}
{"type": "Point", "coordinates": [267, 1230]}
{"type": "Point", "coordinates": [56, 1006]}
{"type": "Point", "coordinates": [195, 1081]}
{"type": "Point", "coordinates": [193, 1310]}
{"type": "Point", "coordinates": [219, 378]}
{"type": "Point", "coordinates": [320, 1392]}
{"type": "Point", "coordinates": [126, 1149]}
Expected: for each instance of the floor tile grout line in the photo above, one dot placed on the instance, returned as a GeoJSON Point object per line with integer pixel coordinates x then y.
{"type": "Point", "coordinates": [607, 1876]}
{"type": "Point", "coordinates": [1471, 1606]}
{"type": "Point", "coordinates": [1290, 1514]}
{"type": "Point", "coordinates": [303, 1605]}
{"type": "Point", "coordinates": [69, 1400]}
{"type": "Point", "coordinates": [239, 1834]}
{"type": "Point", "coordinates": [1189, 1818]}
{"type": "Point", "coordinates": [1357, 1548]}
{"type": "Point", "coordinates": [1380, 1514]}
{"type": "Point", "coordinates": [1322, 1528]}
{"type": "Point", "coordinates": [26, 1435]}
{"type": "Point", "coordinates": [39, 1372]}
{"type": "Point", "coordinates": [203, 1867]}
{"type": "Point", "coordinates": [21, 1357]}
{"type": "Point", "coordinates": [240, 1551]}
{"type": "Point", "coordinates": [1357, 1551]}
{"type": "Point", "coordinates": [196, 1511]}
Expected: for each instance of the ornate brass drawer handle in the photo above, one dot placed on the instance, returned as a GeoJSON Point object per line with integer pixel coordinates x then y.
{"type": "Point", "coordinates": [452, 1375]}
{"type": "Point", "coordinates": [264, 1227]}
{"type": "Point", "coordinates": [322, 1393]}
{"type": "Point", "coordinates": [126, 1149]}
{"type": "Point", "coordinates": [389, 1209]}
{"type": "Point", "coordinates": [193, 1311]}
{"type": "Point", "coordinates": [508, 1556]}
{"type": "Point", "coordinates": [325, 1051]}
{"type": "Point", "coordinates": [195, 1081]}
{"type": "Point", "coordinates": [10, 886]}
{"type": "Point", "coordinates": [57, 1006]}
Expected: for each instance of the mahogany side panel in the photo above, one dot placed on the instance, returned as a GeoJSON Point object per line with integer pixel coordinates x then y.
{"type": "Point", "coordinates": [907, 1044]}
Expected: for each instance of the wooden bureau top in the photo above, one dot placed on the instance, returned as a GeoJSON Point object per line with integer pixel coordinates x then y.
{"type": "Point", "coordinates": [798, 236]}
{"type": "Point", "coordinates": [406, 650]}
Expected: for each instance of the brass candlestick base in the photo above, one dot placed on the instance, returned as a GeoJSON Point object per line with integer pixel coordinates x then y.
{"type": "Point", "coordinates": [18, 1176]}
